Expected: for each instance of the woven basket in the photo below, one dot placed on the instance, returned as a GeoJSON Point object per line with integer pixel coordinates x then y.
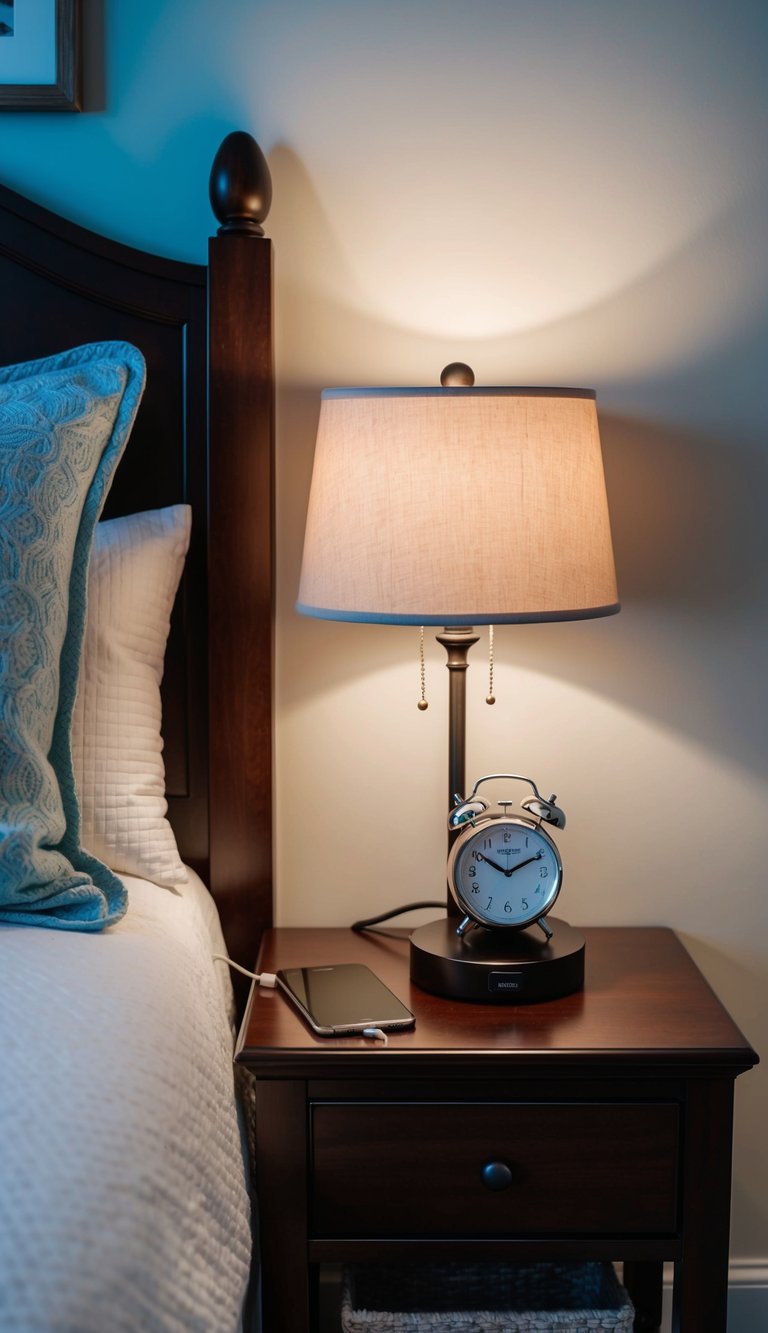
{"type": "Point", "coordinates": [485, 1298]}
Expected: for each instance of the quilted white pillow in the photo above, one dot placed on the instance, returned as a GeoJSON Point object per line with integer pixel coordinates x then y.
{"type": "Point", "coordinates": [134, 572]}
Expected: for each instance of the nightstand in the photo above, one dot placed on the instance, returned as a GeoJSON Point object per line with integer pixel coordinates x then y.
{"type": "Point", "coordinates": [612, 1110]}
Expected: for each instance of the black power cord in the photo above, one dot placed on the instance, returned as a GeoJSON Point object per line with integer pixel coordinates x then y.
{"type": "Point", "coordinates": [371, 921]}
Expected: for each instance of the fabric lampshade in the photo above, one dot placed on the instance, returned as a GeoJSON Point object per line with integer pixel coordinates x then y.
{"type": "Point", "coordinates": [457, 506]}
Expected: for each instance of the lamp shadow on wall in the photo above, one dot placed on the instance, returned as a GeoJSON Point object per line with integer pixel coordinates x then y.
{"type": "Point", "coordinates": [691, 546]}
{"type": "Point", "coordinates": [690, 648]}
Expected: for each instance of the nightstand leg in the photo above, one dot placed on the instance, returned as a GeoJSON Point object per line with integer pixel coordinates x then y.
{"type": "Point", "coordinates": [700, 1298]}
{"type": "Point", "coordinates": [281, 1188]}
{"type": "Point", "coordinates": [643, 1280]}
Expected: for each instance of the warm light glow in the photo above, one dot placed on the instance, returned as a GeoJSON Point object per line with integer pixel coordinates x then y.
{"type": "Point", "coordinates": [458, 506]}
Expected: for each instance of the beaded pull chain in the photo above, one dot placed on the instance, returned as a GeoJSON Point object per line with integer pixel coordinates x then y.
{"type": "Point", "coordinates": [490, 697]}
{"type": "Point", "coordinates": [422, 704]}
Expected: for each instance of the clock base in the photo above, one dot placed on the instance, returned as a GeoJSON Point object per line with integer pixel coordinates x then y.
{"type": "Point", "coordinates": [492, 967]}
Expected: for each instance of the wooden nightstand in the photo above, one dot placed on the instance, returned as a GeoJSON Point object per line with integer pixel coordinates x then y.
{"type": "Point", "coordinates": [613, 1109]}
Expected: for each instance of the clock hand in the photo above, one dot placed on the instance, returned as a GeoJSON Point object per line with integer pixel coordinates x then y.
{"type": "Point", "coordinates": [520, 864]}
{"type": "Point", "coordinates": [479, 857]}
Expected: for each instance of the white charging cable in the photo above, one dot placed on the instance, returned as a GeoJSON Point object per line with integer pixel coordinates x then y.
{"type": "Point", "coordinates": [376, 1034]}
{"type": "Point", "coordinates": [264, 978]}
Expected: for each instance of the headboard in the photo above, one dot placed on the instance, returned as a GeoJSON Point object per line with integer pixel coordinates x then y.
{"type": "Point", "coordinates": [204, 436]}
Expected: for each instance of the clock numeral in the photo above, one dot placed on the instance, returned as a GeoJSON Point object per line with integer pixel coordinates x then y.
{"type": "Point", "coordinates": [524, 904]}
{"type": "Point", "coordinates": [475, 888]}
{"type": "Point", "coordinates": [472, 871]}
{"type": "Point", "coordinates": [544, 873]}
{"type": "Point", "coordinates": [507, 835]}
{"type": "Point", "coordinates": [508, 907]}
{"type": "Point", "coordinates": [488, 904]}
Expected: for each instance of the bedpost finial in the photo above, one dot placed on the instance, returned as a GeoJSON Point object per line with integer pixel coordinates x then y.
{"type": "Point", "coordinates": [240, 187]}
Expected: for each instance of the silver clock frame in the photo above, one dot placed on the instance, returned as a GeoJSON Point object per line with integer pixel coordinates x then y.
{"type": "Point", "coordinates": [470, 820]}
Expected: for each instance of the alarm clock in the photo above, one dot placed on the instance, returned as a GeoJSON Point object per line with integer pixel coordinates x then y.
{"type": "Point", "coordinates": [504, 870]}
{"type": "Point", "coordinates": [505, 875]}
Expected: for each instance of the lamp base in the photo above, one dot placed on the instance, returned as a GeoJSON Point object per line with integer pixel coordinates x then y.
{"type": "Point", "coordinates": [495, 967]}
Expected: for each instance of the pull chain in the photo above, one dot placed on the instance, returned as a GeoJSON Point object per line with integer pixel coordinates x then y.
{"type": "Point", "coordinates": [490, 697]}
{"type": "Point", "coordinates": [422, 704]}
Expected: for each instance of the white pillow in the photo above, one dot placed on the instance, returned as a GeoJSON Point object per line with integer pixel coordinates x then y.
{"type": "Point", "coordinates": [134, 572]}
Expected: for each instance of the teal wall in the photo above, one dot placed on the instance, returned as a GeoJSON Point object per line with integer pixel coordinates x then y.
{"type": "Point", "coordinates": [558, 191]}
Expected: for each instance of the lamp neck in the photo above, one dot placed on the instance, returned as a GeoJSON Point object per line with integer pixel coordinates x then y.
{"type": "Point", "coordinates": [457, 641]}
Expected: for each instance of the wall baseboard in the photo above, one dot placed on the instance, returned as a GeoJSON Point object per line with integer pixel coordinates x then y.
{"type": "Point", "coordinates": [747, 1296]}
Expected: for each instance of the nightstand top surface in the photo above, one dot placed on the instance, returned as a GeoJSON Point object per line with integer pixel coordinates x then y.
{"type": "Point", "coordinates": [644, 1001]}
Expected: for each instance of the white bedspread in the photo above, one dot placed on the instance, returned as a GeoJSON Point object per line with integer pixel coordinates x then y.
{"type": "Point", "coordinates": [123, 1202]}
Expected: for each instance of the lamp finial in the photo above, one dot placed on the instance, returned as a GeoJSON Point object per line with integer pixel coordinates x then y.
{"type": "Point", "coordinates": [457, 376]}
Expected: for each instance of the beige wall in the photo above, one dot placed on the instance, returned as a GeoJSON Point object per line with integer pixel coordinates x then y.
{"type": "Point", "coordinates": [560, 192]}
{"type": "Point", "coordinates": [556, 194]}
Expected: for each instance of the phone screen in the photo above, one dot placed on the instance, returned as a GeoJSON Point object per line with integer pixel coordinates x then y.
{"type": "Point", "coordinates": [344, 998]}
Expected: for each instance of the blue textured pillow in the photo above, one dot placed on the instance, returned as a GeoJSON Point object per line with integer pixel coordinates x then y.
{"type": "Point", "coordinates": [63, 424]}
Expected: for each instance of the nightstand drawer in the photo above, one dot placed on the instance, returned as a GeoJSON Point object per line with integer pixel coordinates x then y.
{"type": "Point", "coordinates": [491, 1169]}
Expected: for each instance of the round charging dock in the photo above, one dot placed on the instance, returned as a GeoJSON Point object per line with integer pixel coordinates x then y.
{"type": "Point", "coordinates": [494, 967]}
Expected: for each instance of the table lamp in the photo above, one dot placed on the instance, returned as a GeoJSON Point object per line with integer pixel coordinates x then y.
{"type": "Point", "coordinates": [458, 506]}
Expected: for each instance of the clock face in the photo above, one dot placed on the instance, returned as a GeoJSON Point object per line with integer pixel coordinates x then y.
{"type": "Point", "coordinates": [506, 872]}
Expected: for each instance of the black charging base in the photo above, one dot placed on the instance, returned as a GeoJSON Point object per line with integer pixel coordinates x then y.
{"type": "Point", "coordinates": [497, 967]}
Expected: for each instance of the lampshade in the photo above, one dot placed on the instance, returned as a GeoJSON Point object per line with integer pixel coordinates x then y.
{"type": "Point", "coordinates": [457, 506]}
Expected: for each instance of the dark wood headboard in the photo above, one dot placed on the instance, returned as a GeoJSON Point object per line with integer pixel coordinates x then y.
{"type": "Point", "coordinates": [203, 435]}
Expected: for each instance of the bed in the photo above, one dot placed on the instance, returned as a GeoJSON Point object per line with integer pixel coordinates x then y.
{"type": "Point", "coordinates": [124, 1200]}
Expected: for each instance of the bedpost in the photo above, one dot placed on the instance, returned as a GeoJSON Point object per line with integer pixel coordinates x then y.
{"type": "Point", "coordinates": [240, 544]}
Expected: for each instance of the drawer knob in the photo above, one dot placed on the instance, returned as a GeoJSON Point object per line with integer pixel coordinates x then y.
{"type": "Point", "coordinates": [497, 1175]}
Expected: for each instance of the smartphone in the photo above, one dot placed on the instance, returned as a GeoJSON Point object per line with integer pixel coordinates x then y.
{"type": "Point", "coordinates": [341, 1000]}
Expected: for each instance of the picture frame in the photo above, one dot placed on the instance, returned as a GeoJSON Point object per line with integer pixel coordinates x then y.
{"type": "Point", "coordinates": [40, 55]}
